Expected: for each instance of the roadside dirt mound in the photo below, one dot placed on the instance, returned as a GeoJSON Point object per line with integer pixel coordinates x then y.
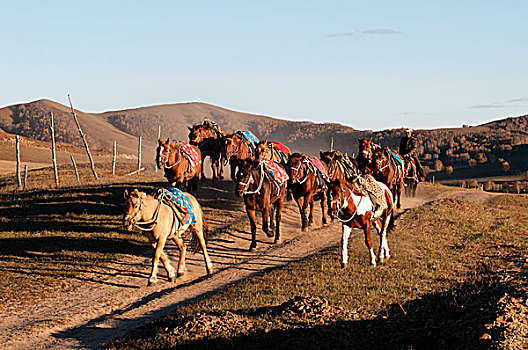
{"type": "Point", "coordinates": [512, 324]}
{"type": "Point", "coordinates": [314, 308]}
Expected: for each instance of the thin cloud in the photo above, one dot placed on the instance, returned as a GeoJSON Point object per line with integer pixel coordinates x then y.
{"type": "Point", "coordinates": [487, 106]}
{"type": "Point", "coordinates": [380, 31]}
{"type": "Point", "coordinates": [345, 34]}
{"type": "Point", "coordinates": [520, 99]}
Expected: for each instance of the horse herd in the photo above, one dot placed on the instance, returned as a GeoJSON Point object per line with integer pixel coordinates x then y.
{"type": "Point", "coordinates": [357, 192]}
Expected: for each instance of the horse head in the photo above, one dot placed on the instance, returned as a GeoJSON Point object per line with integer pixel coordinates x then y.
{"type": "Point", "coordinates": [296, 167]}
{"type": "Point", "coordinates": [365, 150]}
{"type": "Point", "coordinates": [164, 152]}
{"type": "Point", "coordinates": [132, 208]}
{"type": "Point", "coordinates": [244, 178]}
{"type": "Point", "coordinates": [263, 150]}
{"type": "Point", "coordinates": [231, 145]}
{"type": "Point", "coordinates": [380, 159]}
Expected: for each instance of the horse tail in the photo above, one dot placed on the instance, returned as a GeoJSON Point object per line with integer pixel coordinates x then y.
{"type": "Point", "coordinates": [195, 245]}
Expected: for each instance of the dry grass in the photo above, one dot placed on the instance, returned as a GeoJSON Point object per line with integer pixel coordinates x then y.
{"type": "Point", "coordinates": [440, 290]}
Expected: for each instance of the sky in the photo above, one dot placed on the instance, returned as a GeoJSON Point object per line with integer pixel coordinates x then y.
{"type": "Point", "coordinates": [367, 64]}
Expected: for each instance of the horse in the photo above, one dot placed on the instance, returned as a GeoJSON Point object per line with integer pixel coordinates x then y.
{"type": "Point", "coordinates": [237, 151]}
{"type": "Point", "coordinates": [263, 194]}
{"type": "Point", "coordinates": [174, 159]}
{"type": "Point", "coordinates": [340, 166]}
{"type": "Point", "coordinates": [411, 177]}
{"type": "Point", "coordinates": [354, 208]}
{"type": "Point", "coordinates": [210, 139]}
{"type": "Point", "coordinates": [388, 171]}
{"type": "Point", "coordinates": [274, 151]}
{"type": "Point", "coordinates": [364, 157]}
{"type": "Point", "coordinates": [306, 187]}
{"type": "Point", "coordinates": [153, 215]}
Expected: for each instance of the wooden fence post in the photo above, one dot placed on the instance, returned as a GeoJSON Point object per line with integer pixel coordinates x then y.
{"type": "Point", "coordinates": [75, 168]}
{"type": "Point", "coordinates": [332, 144]}
{"type": "Point", "coordinates": [114, 158]}
{"type": "Point", "coordinates": [139, 153]}
{"type": "Point", "coordinates": [159, 137]}
{"type": "Point", "coordinates": [92, 165]}
{"type": "Point", "coordinates": [19, 183]}
{"type": "Point", "coordinates": [25, 176]}
{"type": "Point", "coordinates": [53, 154]}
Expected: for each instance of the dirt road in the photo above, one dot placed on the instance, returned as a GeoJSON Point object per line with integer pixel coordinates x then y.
{"type": "Point", "coordinates": [85, 314]}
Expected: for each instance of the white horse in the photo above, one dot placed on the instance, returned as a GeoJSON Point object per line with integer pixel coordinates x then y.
{"type": "Point", "coordinates": [159, 222]}
{"type": "Point", "coordinates": [354, 208]}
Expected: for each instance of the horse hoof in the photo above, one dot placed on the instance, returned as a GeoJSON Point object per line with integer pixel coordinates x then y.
{"type": "Point", "coordinates": [276, 241]}
{"type": "Point", "coordinates": [151, 283]}
{"type": "Point", "coordinates": [252, 246]}
{"type": "Point", "coordinates": [172, 279]}
{"type": "Point", "coordinates": [179, 274]}
{"type": "Point", "coordinates": [303, 229]}
{"type": "Point", "coordinates": [343, 265]}
{"type": "Point", "coordinates": [269, 234]}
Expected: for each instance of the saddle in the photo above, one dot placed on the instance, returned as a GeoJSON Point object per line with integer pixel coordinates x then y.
{"type": "Point", "coordinates": [371, 187]}
{"type": "Point", "coordinates": [190, 153]}
{"type": "Point", "coordinates": [345, 164]}
{"type": "Point", "coordinates": [209, 124]}
{"type": "Point", "coordinates": [315, 165]}
{"type": "Point", "coordinates": [249, 139]}
{"type": "Point", "coordinates": [274, 170]}
{"type": "Point", "coordinates": [180, 205]}
{"type": "Point", "coordinates": [280, 151]}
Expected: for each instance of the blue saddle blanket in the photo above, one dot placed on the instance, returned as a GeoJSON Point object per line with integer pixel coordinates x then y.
{"type": "Point", "coordinates": [182, 201]}
{"type": "Point", "coordinates": [250, 137]}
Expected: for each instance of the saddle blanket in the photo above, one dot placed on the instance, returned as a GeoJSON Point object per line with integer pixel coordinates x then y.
{"type": "Point", "coordinates": [274, 169]}
{"type": "Point", "coordinates": [190, 152]}
{"type": "Point", "coordinates": [280, 147]}
{"type": "Point", "coordinates": [319, 166]}
{"type": "Point", "coordinates": [398, 158]}
{"type": "Point", "coordinates": [248, 135]}
{"type": "Point", "coordinates": [181, 200]}
{"type": "Point", "coordinates": [373, 187]}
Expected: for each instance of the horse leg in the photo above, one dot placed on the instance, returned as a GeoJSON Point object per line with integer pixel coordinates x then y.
{"type": "Point", "coordinates": [214, 166]}
{"type": "Point", "coordinates": [368, 242]}
{"type": "Point", "coordinates": [384, 246]}
{"type": "Point", "coordinates": [252, 222]}
{"type": "Point", "coordinates": [198, 231]}
{"type": "Point", "coordinates": [202, 174]}
{"type": "Point", "coordinates": [232, 165]}
{"type": "Point", "coordinates": [311, 203]}
{"type": "Point", "coordinates": [158, 253]}
{"type": "Point", "coordinates": [323, 202]}
{"type": "Point", "coordinates": [301, 204]}
{"type": "Point", "coordinates": [181, 262]}
{"type": "Point", "coordinates": [272, 217]}
{"type": "Point", "coordinates": [278, 216]}
{"type": "Point", "coordinates": [164, 259]}
{"type": "Point", "coordinates": [346, 230]}
{"type": "Point", "coordinates": [265, 217]}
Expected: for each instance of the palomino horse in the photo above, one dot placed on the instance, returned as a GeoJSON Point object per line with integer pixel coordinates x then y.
{"type": "Point", "coordinates": [210, 139]}
{"type": "Point", "coordinates": [411, 177]}
{"type": "Point", "coordinates": [181, 163]}
{"type": "Point", "coordinates": [354, 208]}
{"type": "Point", "coordinates": [263, 194]}
{"type": "Point", "coordinates": [158, 221]}
{"type": "Point", "coordinates": [389, 171]}
{"type": "Point", "coordinates": [306, 186]}
{"type": "Point", "coordinates": [237, 151]}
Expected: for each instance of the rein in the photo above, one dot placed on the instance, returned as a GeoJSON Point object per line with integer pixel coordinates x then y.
{"type": "Point", "coordinates": [152, 222]}
{"type": "Point", "coordinates": [261, 182]}
{"type": "Point", "coordinates": [297, 172]}
{"type": "Point", "coordinates": [346, 200]}
{"type": "Point", "coordinates": [165, 160]}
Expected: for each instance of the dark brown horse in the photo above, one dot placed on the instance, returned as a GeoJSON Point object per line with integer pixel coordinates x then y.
{"type": "Point", "coordinates": [354, 208]}
{"type": "Point", "coordinates": [306, 186]}
{"type": "Point", "coordinates": [237, 151]}
{"type": "Point", "coordinates": [411, 177]}
{"type": "Point", "coordinates": [364, 157]}
{"type": "Point", "coordinates": [210, 139]}
{"type": "Point", "coordinates": [263, 194]}
{"type": "Point", "coordinates": [340, 166]}
{"type": "Point", "coordinates": [181, 163]}
{"type": "Point", "coordinates": [389, 171]}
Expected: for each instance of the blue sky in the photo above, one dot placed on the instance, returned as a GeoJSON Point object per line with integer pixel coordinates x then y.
{"type": "Point", "coordinates": [367, 64]}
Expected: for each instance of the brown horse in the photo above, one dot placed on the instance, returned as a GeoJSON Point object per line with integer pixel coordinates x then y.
{"type": "Point", "coordinates": [364, 157]}
{"type": "Point", "coordinates": [237, 151]}
{"type": "Point", "coordinates": [179, 167]}
{"type": "Point", "coordinates": [411, 177]}
{"type": "Point", "coordinates": [354, 208]}
{"type": "Point", "coordinates": [263, 194]}
{"type": "Point", "coordinates": [274, 151]}
{"type": "Point", "coordinates": [158, 221]}
{"type": "Point", "coordinates": [340, 166]}
{"type": "Point", "coordinates": [389, 171]}
{"type": "Point", "coordinates": [210, 139]}
{"type": "Point", "coordinates": [306, 186]}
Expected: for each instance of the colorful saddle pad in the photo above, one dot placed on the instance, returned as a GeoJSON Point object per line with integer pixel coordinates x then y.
{"type": "Point", "coordinates": [190, 152]}
{"type": "Point", "coordinates": [250, 137]}
{"type": "Point", "coordinates": [398, 158]}
{"type": "Point", "coordinates": [314, 161]}
{"type": "Point", "coordinates": [274, 169]}
{"type": "Point", "coordinates": [374, 188]}
{"type": "Point", "coordinates": [279, 146]}
{"type": "Point", "coordinates": [182, 201]}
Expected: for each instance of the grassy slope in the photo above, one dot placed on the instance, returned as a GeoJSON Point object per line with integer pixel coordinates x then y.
{"type": "Point", "coordinates": [452, 261]}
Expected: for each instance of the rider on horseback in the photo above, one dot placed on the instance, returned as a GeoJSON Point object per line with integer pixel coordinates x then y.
{"type": "Point", "coordinates": [407, 149]}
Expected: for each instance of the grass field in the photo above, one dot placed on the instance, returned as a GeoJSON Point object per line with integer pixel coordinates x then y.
{"type": "Point", "coordinates": [456, 268]}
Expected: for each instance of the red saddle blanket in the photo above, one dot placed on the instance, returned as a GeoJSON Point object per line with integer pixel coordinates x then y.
{"type": "Point", "coordinates": [318, 165]}
{"type": "Point", "coordinates": [274, 169]}
{"type": "Point", "coordinates": [279, 146]}
{"type": "Point", "coordinates": [190, 152]}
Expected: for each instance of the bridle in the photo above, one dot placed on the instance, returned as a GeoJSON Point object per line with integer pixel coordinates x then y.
{"type": "Point", "coordinates": [145, 225]}
{"type": "Point", "coordinates": [295, 178]}
{"type": "Point", "coordinates": [164, 159]}
{"type": "Point", "coordinates": [343, 203]}
{"type": "Point", "coordinates": [251, 180]}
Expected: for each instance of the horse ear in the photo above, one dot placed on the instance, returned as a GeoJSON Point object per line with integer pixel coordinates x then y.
{"type": "Point", "coordinates": [125, 194]}
{"type": "Point", "coordinates": [188, 127]}
{"type": "Point", "coordinates": [168, 140]}
{"type": "Point", "coordinates": [160, 141]}
{"type": "Point", "coordinates": [370, 139]}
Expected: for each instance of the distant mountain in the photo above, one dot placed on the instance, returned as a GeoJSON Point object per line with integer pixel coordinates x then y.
{"type": "Point", "coordinates": [469, 146]}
